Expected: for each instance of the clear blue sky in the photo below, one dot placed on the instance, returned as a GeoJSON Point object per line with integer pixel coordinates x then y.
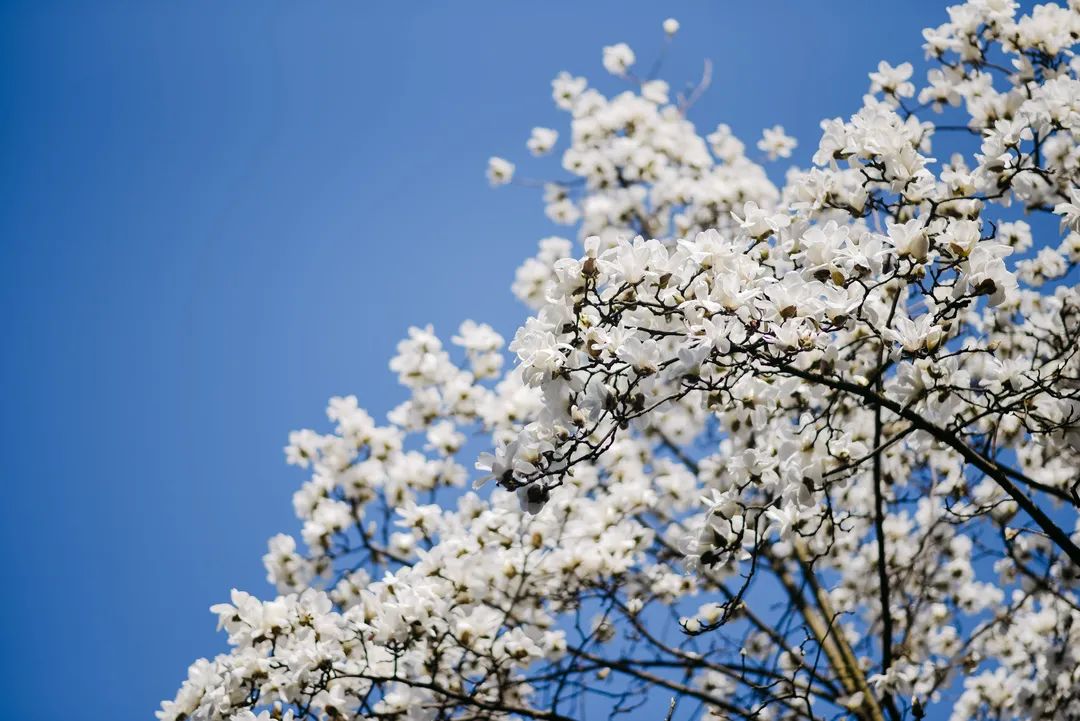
{"type": "Point", "coordinates": [214, 215]}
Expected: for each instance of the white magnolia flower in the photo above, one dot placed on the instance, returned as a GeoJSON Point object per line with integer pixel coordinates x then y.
{"type": "Point", "coordinates": [776, 143]}
{"type": "Point", "coordinates": [618, 58]}
{"type": "Point", "coordinates": [500, 171]}
{"type": "Point", "coordinates": [542, 140]}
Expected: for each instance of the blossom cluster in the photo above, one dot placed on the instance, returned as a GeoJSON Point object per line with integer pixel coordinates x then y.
{"type": "Point", "coordinates": [795, 451]}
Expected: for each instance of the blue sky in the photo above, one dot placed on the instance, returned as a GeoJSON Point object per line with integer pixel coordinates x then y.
{"type": "Point", "coordinates": [216, 215]}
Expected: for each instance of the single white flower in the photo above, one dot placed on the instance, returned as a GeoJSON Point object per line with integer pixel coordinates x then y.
{"type": "Point", "coordinates": [499, 171]}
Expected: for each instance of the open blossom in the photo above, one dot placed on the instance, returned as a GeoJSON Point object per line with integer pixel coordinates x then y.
{"type": "Point", "coordinates": [542, 140]}
{"type": "Point", "coordinates": [802, 450]}
{"type": "Point", "coordinates": [655, 91]}
{"type": "Point", "coordinates": [725, 146]}
{"type": "Point", "coordinates": [776, 143]}
{"type": "Point", "coordinates": [566, 89]}
{"type": "Point", "coordinates": [915, 335]}
{"type": "Point", "coordinates": [893, 81]}
{"type": "Point", "coordinates": [618, 58]}
{"type": "Point", "coordinates": [910, 239]}
{"type": "Point", "coordinates": [500, 171]}
{"type": "Point", "coordinates": [1069, 211]}
{"type": "Point", "coordinates": [760, 222]}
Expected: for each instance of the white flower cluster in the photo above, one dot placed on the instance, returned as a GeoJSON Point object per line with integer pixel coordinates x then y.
{"type": "Point", "coordinates": [641, 167]}
{"type": "Point", "coordinates": [785, 453]}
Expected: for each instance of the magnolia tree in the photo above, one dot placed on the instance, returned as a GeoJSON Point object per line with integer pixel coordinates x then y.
{"type": "Point", "coordinates": [799, 452]}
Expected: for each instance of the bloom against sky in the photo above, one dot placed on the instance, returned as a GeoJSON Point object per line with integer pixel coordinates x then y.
{"type": "Point", "coordinates": [215, 216]}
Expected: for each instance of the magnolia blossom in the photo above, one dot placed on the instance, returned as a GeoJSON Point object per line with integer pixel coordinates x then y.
{"type": "Point", "coordinates": [893, 83]}
{"type": "Point", "coordinates": [776, 143]}
{"type": "Point", "coordinates": [618, 58]}
{"type": "Point", "coordinates": [800, 451]}
{"type": "Point", "coordinates": [542, 140]}
{"type": "Point", "coordinates": [500, 171]}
